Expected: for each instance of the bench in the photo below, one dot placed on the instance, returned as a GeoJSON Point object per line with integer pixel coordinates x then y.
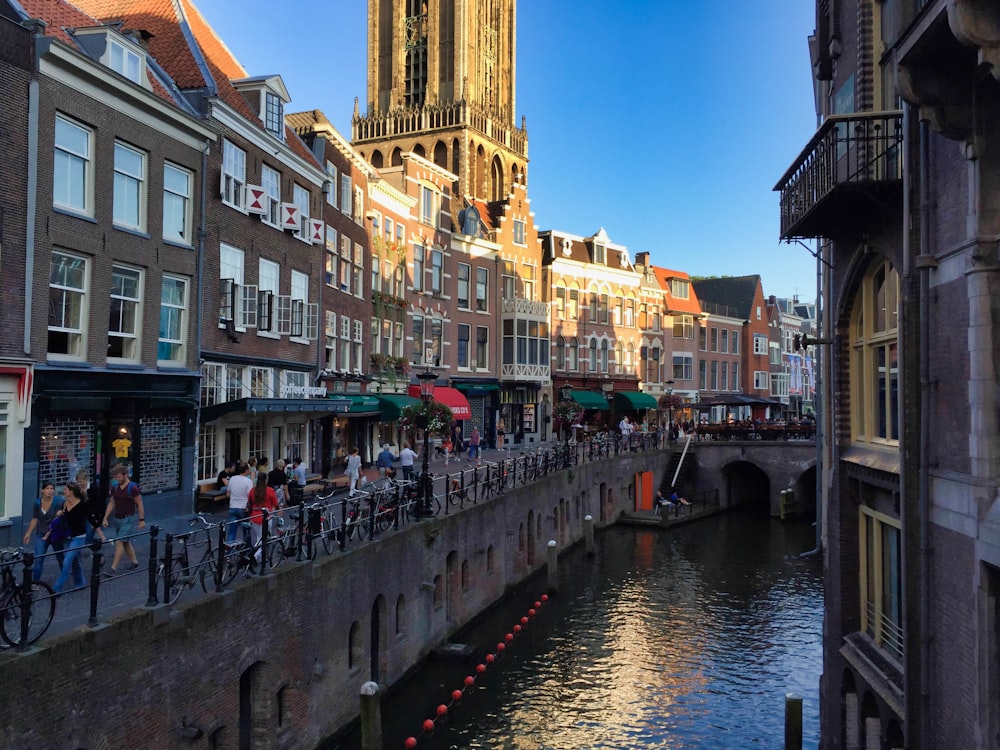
{"type": "Point", "coordinates": [207, 498]}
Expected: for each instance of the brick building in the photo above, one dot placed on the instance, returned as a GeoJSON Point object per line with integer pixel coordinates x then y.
{"type": "Point", "coordinates": [899, 187]}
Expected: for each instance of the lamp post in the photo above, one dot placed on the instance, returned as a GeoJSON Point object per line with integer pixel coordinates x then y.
{"type": "Point", "coordinates": [670, 410]}
{"type": "Point", "coordinates": [427, 380]}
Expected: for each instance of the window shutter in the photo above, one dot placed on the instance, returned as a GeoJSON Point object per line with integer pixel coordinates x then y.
{"type": "Point", "coordinates": [248, 306]}
{"type": "Point", "coordinates": [227, 297]}
{"type": "Point", "coordinates": [256, 200]}
{"type": "Point", "coordinates": [284, 314]}
{"type": "Point", "coordinates": [312, 321]}
{"type": "Point", "coordinates": [265, 310]}
{"type": "Point", "coordinates": [291, 217]}
{"type": "Point", "coordinates": [298, 316]}
{"type": "Point", "coordinates": [317, 231]}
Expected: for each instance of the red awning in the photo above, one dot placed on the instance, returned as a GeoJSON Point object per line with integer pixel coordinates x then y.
{"type": "Point", "coordinates": [450, 397]}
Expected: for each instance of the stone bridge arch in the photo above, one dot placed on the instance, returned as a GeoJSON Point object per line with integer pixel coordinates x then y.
{"type": "Point", "coordinates": [754, 472]}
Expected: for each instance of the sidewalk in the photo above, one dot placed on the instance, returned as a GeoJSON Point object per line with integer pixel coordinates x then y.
{"type": "Point", "coordinates": [130, 590]}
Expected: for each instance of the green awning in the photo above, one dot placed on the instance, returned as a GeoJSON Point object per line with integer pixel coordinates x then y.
{"type": "Point", "coordinates": [634, 400]}
{"type": "Point", "coordinates": [590, 400]}
{"type": "Point", "coordinates": [392, 405]}
{"type": "Point", "coordinates": [361, 405]}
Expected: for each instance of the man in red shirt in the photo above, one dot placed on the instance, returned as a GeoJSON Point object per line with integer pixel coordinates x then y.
{"type": "Point", "coordinates": [125, 503]}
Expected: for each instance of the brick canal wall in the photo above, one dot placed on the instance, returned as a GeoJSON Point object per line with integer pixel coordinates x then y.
{"type": "Point", "coordinates": [280, 660]}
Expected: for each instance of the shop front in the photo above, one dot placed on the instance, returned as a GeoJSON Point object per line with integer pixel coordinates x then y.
{"type": "Point", "coordinates": [391, 406]}
{"type": "Point", "coordinates": [16, 381]}
{"type": "Point", "coordinates": [519, 412]}
{"type": "Point", "coordinates": [357, 427]}
{"type": "Point", "coordinates": [638, 406]}
{"type": "Point", "coordinates": [482, 396]}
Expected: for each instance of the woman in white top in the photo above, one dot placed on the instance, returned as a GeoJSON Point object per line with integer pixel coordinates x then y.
{"type": "Point", "coordinates": [353, 470]}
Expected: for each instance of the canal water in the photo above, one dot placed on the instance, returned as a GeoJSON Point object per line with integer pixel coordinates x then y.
{"type": "Point", "coordinates": [681, 638]}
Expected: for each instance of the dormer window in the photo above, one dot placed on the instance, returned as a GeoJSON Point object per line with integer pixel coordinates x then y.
{"type": "Point", "coordinates": [123, 60]}
{"type": "Point", "coordinates": [267, 96]}
{"type": "Point", "coordinates": [599, 256]}
{"type": "Point", "coordinates": [274, 115]}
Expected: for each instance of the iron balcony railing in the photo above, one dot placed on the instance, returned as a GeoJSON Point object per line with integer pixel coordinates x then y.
{"type": "Point", "coordinates": [850, 155]}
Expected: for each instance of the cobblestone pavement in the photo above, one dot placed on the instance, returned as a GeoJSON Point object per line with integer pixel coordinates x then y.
{"type": "Point", "coordinates": [130, 589]}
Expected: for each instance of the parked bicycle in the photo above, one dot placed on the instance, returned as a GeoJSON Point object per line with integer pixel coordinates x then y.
{"type": "Point", "coordinates": [42, 604]}
{"type": "Point", "coordinates": [182, 574]}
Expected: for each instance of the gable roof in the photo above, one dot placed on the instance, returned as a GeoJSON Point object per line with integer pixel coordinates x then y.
{"type": "Point", "coordinates": [191, 51]}
{"type": "Point", "coordinates": [736, 293]}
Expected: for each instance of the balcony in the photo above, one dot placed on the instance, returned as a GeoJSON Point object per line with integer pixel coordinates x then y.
{"type": "Point", "coordinates": [850, 170]}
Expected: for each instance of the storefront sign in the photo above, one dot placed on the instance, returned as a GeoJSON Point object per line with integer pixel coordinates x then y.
{"type": "Point", "coordinates": [303, 391]}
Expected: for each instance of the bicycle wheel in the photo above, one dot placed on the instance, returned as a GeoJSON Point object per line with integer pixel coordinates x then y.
{"type": "Point", "coordinates": [275, 552]}
{"type": "Point", "coordinates": [180, 578]}
{"type": "Point", "coordinates": [233, 565]}
{"type": "Point", "coordinates": [206, 571]}
{"type": "Point", "coordinates": [43, 607]}
{"type": "Point", "coordinates": [330, 534]}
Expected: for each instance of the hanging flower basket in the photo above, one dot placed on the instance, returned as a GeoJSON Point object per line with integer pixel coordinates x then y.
{"type": "Point", "coordinates": [569, 412]}
{"type": "Point", "coordinates": [435, 417]}
{"type": "Point", "coordinates": [670, 401]}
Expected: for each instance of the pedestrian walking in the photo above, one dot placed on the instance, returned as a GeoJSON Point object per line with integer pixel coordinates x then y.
{"type": "Point", "coordinates": [263, 496]}
{"type": "Point", "coordinates": [75, 514]}
{"type": "Point", "coordinates": [353, 470]}
{"type": "Point", "coordinates": [474, 440]}
{"type": "Point", "coordinates": [384, 461]}
{"type": "Point", "coordinates": [406, 459]}
{"type": "Point", "coordinates": [125, 504]}
{"type": "Point", "coordinates": [44, 511]}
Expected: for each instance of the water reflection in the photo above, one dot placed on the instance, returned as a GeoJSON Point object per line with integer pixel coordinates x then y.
{"type": "Point", "coordinates": [688, 638]}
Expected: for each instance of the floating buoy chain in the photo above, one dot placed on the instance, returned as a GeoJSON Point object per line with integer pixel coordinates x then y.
{"type": "Point", "coordinates": [456, 695]}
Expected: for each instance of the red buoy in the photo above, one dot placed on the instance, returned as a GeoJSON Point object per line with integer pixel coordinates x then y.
{"type": "Point", "coordinates": [469, 680]}
{"type": "Point", "coordinates": [480, 668]}
{"type": "Point", "coordinates": [490, 658]}
{"type": "Point", "coordinates": [545, 597]}
{"type": "Point", "coordinates": [428, 725]}
{"type": "Point", "coordinates": [524, 620]}
{"type": "Point", "coordinates": [411, 742]}
{"type": "Point", "coordinates": [509, 637]}
{"type": "Point", "coordinates": [537, 605]}
{"type": "Point", "coordinates": [456, 695]}
{"type": "Point", "coordinates": [442, 710]}
{"type": "Point", "coordinates": [501, 646]}
{"type": "Point", "coordinates": [517, 628]}
{"type": "Point", "coordinates": [532, 613]}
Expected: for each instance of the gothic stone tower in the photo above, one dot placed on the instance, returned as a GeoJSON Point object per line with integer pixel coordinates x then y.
{"type": "Point", "coordinates": [441, 81]}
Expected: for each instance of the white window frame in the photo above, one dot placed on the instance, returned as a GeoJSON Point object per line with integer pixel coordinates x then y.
{"type": "Point", "coordinates": [519, 233]}
{"type": "Point", "coordinates": [234, 176]}
{"type": "Point", "coordinates": [126, 325]}
{"type": "Point", "coordinates": [761, 380]}
{"type": "Point", "coordinates": [330, 331]}
{"type": "Point", "coordinates": [268, 279]}
{"type": "Point", "coordinates": [173, 320]}
{"type": "Point", "coordinates": [331, 178]}
{"type": "Point", "coordinates": [231, 267]}
{"type": "Point", "coordinates": [682, 366]}
{"type": "Point", "coordinates": [270, 183]}
{"type": "Point", "coordinates": [273, 125]}
{"type": "Point", "coordinates": [125, 61]}
{"type": "Point", "coordinates": [177, 199]}
{"type": "Point", "coordinates": [76, 348]}
{"type": "Point", "coordinates": [300, 298]}
{"type": "Point", "coordinates": [346, 195]}
{"type": "Point", "coordinates": [300, 197]}
{"type": "Point", "coordinates": [759, 344]}
{"type": "Point", "coordinates": [68, 159]}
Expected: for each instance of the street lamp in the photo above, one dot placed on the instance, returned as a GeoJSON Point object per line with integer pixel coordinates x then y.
{"type": "Point", "coordinates": [427, 381]}
{"type": "Point", "coordinates": [670, 410]}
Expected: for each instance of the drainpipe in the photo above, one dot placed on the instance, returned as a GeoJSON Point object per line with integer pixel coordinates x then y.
{"type": "Point", "coordinates": [925, 262]}
{"type": "Point", "coordinates": [31, 205]}
{"type": "Point", "coordinates": [818, 402]}
{"type": "Point", "coordinates": [200, 265]}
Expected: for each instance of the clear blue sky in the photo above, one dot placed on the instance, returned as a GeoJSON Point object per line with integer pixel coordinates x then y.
{"type": "Point", "coordinates": [667, 122]}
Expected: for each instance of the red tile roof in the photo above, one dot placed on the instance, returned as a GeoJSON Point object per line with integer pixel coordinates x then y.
{"type": "Point", "coordinates": [691, 305]}
{"type": "Point", "coordinates": [179, 55]}
{"type": "Point", "coordinates": [59, 16]}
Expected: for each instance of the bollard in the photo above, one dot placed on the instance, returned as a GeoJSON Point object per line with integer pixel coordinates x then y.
{"type": "Point", "coordinates": [168, 558]}
{"type": "Point", "coordinates": [588, 534]}
{"type": "Point", "coordinates": [154, 531]}
{"type": "Point", "coordinates": [97, 559]}
{"type": "Point", "coordinates": [552, 561]}
{"type": "Point", "coordinates": [371, 717]}
{"type": "Point", "coordinates": [793, 721]}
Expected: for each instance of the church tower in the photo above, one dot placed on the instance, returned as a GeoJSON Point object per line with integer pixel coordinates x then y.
{"type": "Point", "coordinates": [441, 81]}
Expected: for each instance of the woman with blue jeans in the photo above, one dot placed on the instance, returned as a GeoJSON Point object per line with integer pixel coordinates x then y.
{"type": "Point", "coordinates": [76, 515]}
{"type": "Point", "coordinates": [45, 510]}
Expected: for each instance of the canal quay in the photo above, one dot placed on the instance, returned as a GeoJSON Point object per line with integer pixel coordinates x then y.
{"type": "Point", "coordinates": [680, 637]}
